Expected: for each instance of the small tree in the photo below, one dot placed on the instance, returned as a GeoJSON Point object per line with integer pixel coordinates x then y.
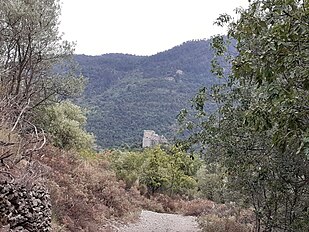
{"type": "Point", "coordinates": [65, 123]}
{"type": "Point", "coordinates": [155, 173]}
{"type": "Point", "coordinates": [30, 46]}
{"type": "Point", "coordinates": [171, 172]}
{"type": "Point", "coordinates": [31, 51]}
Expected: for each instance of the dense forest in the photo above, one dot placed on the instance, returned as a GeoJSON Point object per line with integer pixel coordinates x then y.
{"type": "Point", "coordinates": [127, 94]}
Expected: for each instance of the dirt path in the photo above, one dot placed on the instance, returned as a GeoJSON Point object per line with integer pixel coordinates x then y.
{"type": "Point", "coordinates": [162, 222]}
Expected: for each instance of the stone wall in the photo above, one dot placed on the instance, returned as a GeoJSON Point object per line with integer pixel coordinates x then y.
{"type": "Point", "coordinates": [151, 139]}
{"type": "Point", "coordinates": [24, 209]}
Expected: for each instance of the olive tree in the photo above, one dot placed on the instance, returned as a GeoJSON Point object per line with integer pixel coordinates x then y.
{"type": "Point", "coordinates": [34, 69]}
{"type": "Point", "coordinates": [30, 47]}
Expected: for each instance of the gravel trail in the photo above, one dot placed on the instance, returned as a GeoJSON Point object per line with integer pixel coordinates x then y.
{"type": "Point", "coordinates": [162, 222]}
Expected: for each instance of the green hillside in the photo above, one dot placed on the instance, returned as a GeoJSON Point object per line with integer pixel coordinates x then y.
{"type": "Point", "coordinates": [127, 94]}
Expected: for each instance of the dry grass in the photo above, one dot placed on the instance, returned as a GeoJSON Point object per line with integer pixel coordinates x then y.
{"type": "Point", "coordinates": [85, 194]}
{"type": "Point", "coordinates": [212, 217]}
{"type": "Point", "coordinates": [214, 223]}
{"type": "Point", "coordinates": [220, 217]}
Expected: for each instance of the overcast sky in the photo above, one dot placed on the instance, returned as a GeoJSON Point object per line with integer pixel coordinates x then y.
{"type": "Point", "coordinates": [140, 27]}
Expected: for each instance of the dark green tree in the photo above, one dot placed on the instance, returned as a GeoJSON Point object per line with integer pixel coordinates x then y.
{"type": "Point", "coordinates": [260, 132]}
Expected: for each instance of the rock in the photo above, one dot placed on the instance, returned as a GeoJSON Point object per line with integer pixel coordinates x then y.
{"type": "Point", "coordinates": [23, 209]}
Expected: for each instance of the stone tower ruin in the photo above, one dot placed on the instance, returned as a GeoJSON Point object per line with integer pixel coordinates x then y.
{"type": "Point", "coordinates": [151, 139]}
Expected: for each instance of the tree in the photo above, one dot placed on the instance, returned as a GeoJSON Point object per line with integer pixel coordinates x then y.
{"type": "Point", "coordinates": [65, 123]}
{"type": "Point", "coordinates": [167, 171]}
{"type": "Point", "coordinates": [260, 131]}
{"type": "Point", "coordinates": [34, 71]}
{"type": "Point", "coordinates": [30, 47]}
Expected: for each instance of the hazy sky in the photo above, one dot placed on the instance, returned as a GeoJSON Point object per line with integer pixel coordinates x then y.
{"type": "Point", "coordinates": [140, 27]}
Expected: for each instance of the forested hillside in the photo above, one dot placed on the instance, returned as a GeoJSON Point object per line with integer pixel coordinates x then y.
{"type": "Point", "coordinates": [127, 94]}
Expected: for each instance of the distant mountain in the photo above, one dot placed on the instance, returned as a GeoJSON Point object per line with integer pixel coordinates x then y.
{"type": "Point", "coordinates": [127, 94]}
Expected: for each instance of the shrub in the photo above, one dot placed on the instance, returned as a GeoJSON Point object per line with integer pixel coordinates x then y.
{"type": "Point", "coordinates": [85, 194]}
{"type": "Point", "coordinates": [160, 171]}
{"type": "Point", "coordinates": [65, 123]}
{"type": "Point", "coordinates": [213, 223]}
{"type": "Point", "coordinates": [128, 166]}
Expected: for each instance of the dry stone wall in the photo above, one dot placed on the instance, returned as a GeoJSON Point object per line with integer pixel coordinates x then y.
{"type": "Point", "coordinates": [24, 209]}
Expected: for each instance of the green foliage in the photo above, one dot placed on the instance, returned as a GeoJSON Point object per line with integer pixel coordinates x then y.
{"type": "Point", "coordinates": [30, 47]}
{"type": "Point", "coordinates": [128, 94]}
{"type": "Point", "coordinates": [155, 175]}
{"type": "Point", "coordinates": [260, 131]}
{"type": "Point", "coordinates": [65, 122]}
{"type": "Point", "coordinates": [211, 183]}
{"type": "Point", "coordinates": [171, 172]}
{"type": "Point", "coordinates": [128, 166]}
{"type": "Point", "coordinates": [35, 70]}
{"type": "Point", "coordinates": [88, 154]}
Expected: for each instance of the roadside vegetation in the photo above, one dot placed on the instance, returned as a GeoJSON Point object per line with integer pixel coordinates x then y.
{"type": "Point", "coordinates": [243, 167]}
{"type": "Point", "coordinates": [259, 134]}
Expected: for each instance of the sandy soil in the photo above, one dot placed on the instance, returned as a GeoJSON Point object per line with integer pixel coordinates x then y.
{"type": "Point", "coordinates": [161, 222]}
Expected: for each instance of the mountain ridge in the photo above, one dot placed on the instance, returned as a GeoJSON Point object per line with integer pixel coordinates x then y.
{"type": "Point", "coordinates": [127, 94]}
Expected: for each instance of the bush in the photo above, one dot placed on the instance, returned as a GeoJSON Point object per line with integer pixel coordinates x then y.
{"type": "Point", "coordinates": [65, 123]}
{"type": "Point", "coordinates": [171, 172]}
{"type": "Point", "coordinates": [213, 223]}
{"type": "Point", "coordinates": [211, 183]}
{"type": "Point", "coordinates": [85, 194]}
{"type": "Point", "coordinates": [128, 166]}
